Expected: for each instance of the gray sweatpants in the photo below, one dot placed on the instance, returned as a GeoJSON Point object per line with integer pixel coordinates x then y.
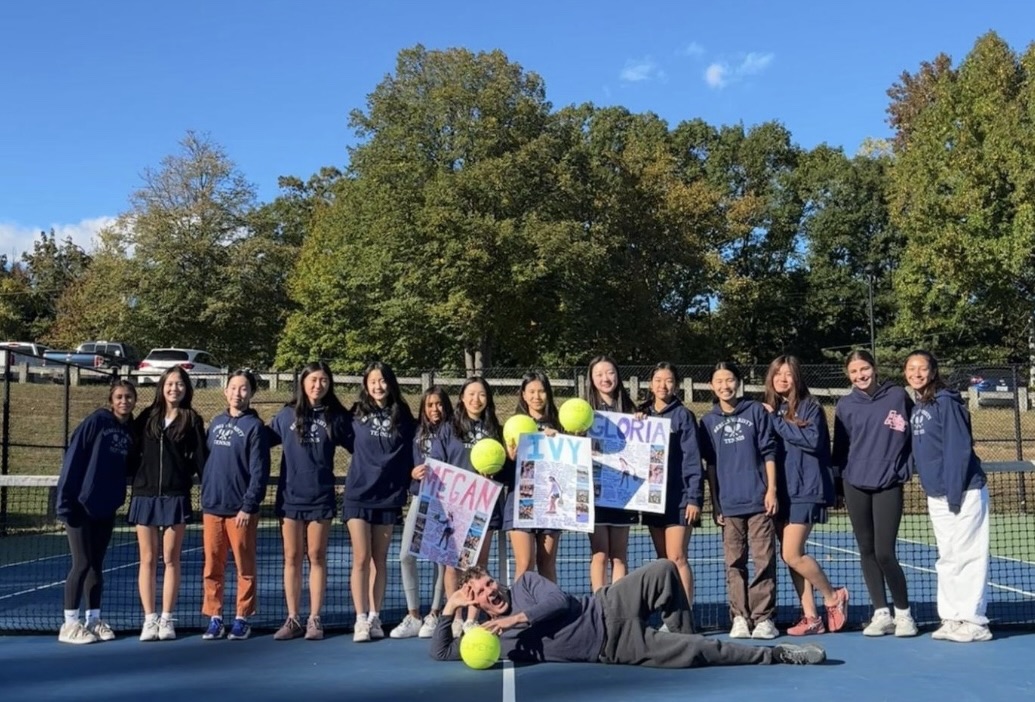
{"type": "Point", "coordinates": [629, 641]}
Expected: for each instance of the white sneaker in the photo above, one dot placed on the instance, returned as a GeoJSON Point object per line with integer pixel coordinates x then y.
{"type": "Point", "coordinates": [427, 629]}
{"type": "Point", "coordinates": [101, 630]}
{"type": "Point", "coordinates": [361, 632]}
{"type": "Point", "coordinates": [458, 627]}
{"type": "Point", "coordinates": [765, 629]}
{"type": "Point", "coordinates": [740, 629]}
{"type": "Point", "coordinates": [166, 629]}
{"type": "Point", "coordinates": [948, 626]}
{"type": "Point", "coordinates": [407, 629]}
{"type": "Point", "coordinates": [376, 630]}
{"type": "Point", "coordinates": [76, 633]}
{"type": "Point", "coordinates": [150, 630]}
{"type": "Point", "coordinates": [905, 626]}
{"type": "Point", "coordinates": [967, 632]}
{"type": "Point", "coordinates": [881, 624]}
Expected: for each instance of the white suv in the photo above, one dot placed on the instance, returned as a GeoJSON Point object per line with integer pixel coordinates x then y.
{"type": "Point", "coordinates": [203, 369]}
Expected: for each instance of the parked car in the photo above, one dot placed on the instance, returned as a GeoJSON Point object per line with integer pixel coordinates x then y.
{"type": "Point", "coordinates": [18, 352]}
{"type": "Point", "coordinates": [97, 354]}
{"type": "Point", "coordinates": [195, 361]}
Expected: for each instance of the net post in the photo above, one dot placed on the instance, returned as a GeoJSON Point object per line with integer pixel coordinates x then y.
{"type": "Point", "coordinates": [5, 444]}
{"type": "Point", "coordinates": [1022, 490]}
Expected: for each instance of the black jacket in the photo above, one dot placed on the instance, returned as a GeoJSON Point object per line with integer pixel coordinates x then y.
{"type": "Point", "coordinates": [166, 467]}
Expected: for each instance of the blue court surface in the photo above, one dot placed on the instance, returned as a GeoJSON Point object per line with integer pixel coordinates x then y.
{"type": "Point", "coordinates": [125, 670]}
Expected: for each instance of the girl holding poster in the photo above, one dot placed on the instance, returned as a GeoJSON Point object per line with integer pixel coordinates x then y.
{"type": "Point", "coordinates": [436, 415]}
{"type": "Point", "coordinates": [609, 541]}
{"type": "Point", "coordinates": [475, 419]}
{"type": "Point", "coordinates": [737, 439]}
{"type": "Point", "coordinates": [536, 547]}
{"type": "Point", "coordinates": [375, 490]}
{"type": "Point", "coordinates": [670, 530]}
{"type": "Point", "coordinates": [806, 489]}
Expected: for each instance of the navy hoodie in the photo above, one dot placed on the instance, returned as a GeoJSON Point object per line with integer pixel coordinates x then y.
{"type": "Point", "coordinates": [306, 481]}
{"type": "Point", "coordinates": [943, 448]}
{"type": "Point", "coordinates": [738, 444]}
{"type": "Point", "coordinates": [93, 472]}
{"type": "Point", "coordinates": [458, 452]}
{"type": "Point", "coordinates": [238, 465]}
{"type": "Point", "coordinates": [382, 459]}
{"type": "Point", "coordinates": [685, 481]}
{"type": "Point", "coordinates": [433, 444]}
{"type": "Point", "coordinates": [871, 437]}
{"type": "Point", "coordinates": [561, 627]}
{"type": "Point", "coordinates": [803, 456]}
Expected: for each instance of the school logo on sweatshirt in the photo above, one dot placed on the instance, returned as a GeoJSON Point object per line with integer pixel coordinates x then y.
{"type": "Point", "coordinates": [895, 420]}
{"type": "Point", "coordinates": [118, 441]}
{"type": "Point", "coordinates": [732, 430]}
{"type": "Point", "coordinates": [379, 425]}
{"type": "Point", "coordinates": [918, 419]}
{"type": "Point", "coordinates": [477, 434]}
{"type": "Point", "coordinates": [224, 434]}
{"type": "Point", "coordinates": [312, 434]}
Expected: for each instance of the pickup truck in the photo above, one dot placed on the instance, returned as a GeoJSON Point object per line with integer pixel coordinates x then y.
{"type": "Point", "coordinates": [96, 354]}
{"type": "Point", "coordinates": [18, 352]}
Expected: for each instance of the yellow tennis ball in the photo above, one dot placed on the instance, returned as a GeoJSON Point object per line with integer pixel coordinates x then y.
{"type": "Point", "coordinates": [479, 649]}
{"type": "Point", "coordinates": [516, 426]}
{"type": "Point", "coordinates": [488, 456]}
{"type": "Point", "coordinates": [576, 415]}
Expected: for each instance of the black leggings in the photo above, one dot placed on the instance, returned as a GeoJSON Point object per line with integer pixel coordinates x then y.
{"type": "Point", "coordinates": [875, 516]}
{"type": "Point", "coordinates": [88, 541]}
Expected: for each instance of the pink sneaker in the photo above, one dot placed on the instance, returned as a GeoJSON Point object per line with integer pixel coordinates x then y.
{"type": "Point", "coordinates": [807, 626]}
{"type": "Point", "coordinates": [837, 616]}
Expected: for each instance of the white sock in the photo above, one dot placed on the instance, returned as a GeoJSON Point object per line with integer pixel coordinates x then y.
{"type": "Point", "coordinates": [360, 617]}
{"type": "Point", "coordinates": [881, 611]}
{"type": "Point", "coordinates": [167, 616]}
{"type": "Point", "coordinates": [92, 615]}
{"type": "Point", "coordinates": [902, 612]}
{"type": "Point", "coordinates": [71, 616]}
{"type": "Point", "coordinates": [372, 616]}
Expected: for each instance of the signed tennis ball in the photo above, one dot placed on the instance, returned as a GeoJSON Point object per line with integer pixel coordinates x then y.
{"type": "Point", "coordinates": [487, 456]}
{"type": "Point", "coordinates": [516, 426]}
{"type": "Point", "coordinates": [576, 415]}
{"type": "Point", "coordinates": [480, 649]}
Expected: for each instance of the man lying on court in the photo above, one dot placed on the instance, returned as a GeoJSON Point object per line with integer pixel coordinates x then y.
{"type": "Point", "coordinates": [537, 621]}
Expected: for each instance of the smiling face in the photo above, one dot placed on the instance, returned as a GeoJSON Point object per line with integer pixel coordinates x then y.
{"type": "Point", "coordinates": [724, 385]}
{"type": "Point", "coordinates": [783, 380]}
{"type": "Point", "coordinates": [663, 384]}
{"type": "Point", "coordinates": [474, 400]}
{"type": "Point", "coordinates": [918, 372]}
{"type": "Point", "coordinates": [238, 394]}
{"type": "Point", "coordinates": [534, 396]}
{"type": "Point", "coordinates": [174, 389]}
{"type": "Point", "coordinates": [316, 385]}
{"type": "Point", "coordinates": [485, 592]}
{"type": "Point", "coordinates": [123, 400]}
{"type": "Point", "coordinates": [433, 409]}
{"type": "Point", "coordinates": [605, 378]}
{"type": "Point", "coordinates": [861, 374]}
{"type": "Point", "coordinates": [377, 387]}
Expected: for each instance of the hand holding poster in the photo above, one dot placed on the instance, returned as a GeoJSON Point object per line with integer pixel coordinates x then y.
{"type": "Point", "coordinates": [453, 510]}
{"type": "Point", "coordinates": [630, 461]}
{"type": "Point", "coordinates": [553, 483]}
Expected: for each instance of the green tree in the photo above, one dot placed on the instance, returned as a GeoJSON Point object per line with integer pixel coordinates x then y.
{"type": "Point", "coordinates": [51, 267]}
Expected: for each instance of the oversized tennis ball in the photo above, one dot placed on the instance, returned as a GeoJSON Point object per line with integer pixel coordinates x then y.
{"type": "Point", "coordinates": [516, 426]}
{"type": "Point", "coordinates": [487, 456]}
{"type": "Point", "coordinates": [480, 649]}
{"type": "Point", "coordinates": [576, 415]}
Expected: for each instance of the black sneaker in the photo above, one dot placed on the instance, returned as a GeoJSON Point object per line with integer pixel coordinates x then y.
{"type": "Point", "coordinates": [793, 654]}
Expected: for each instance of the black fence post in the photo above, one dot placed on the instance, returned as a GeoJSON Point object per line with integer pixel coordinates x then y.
{"type": "Point", "coordinates": [1022, 488]}
{"type": "Point", "coordinates": [5, 446]}
{"type": "Point", "coordinates": [68, 401]}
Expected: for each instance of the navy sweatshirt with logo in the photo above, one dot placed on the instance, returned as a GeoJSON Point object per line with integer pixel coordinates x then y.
{"type": "Point", "coordinates": [803, 456]}
{"type": "Point", "coordinates": [685, 481]}
{"type": "Point", "coordinates": [943, 448]}
{"type": "Point", "coordinates": [382, 458]}
{"type": "Point", "coordinates": [738, 444]}
{"type": "Point", "coordinates": [93, 472]}
{"type": "Point", "coordinates": [306, 481]}
{"type": "Point", "coordinates": [431, 444]}
{"type": "Point", "coordinates": [238, 465]}
{"type": "Point", "coordinates": [871, 437]}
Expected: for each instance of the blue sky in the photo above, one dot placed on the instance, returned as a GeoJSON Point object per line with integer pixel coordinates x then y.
{"type": "Point", "coordinates": [95, 92]}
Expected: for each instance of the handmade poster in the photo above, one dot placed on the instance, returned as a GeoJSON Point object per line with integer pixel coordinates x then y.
{"type": "Point", "coordinates": [453, 509]}
{"type": "Point", "coordinates": [554, 484]}
{"type": "Point", "coordinates": [630, 461]}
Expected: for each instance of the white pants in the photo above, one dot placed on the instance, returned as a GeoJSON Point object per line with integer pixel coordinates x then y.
{"type": "Point", "coordinates": [962, 565]}
{"type": "Point", "coordinates": [408, 564]}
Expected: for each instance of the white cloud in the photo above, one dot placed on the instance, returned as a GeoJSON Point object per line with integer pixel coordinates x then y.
{"type": "Point", "coordinates": [715, 75]}
{"type": "Point", "coordinates": [639, 70]}
{"type": "Point", "coordinates": [692, 49]}
{"type": "Point", "coordinates": [16, 239]}
{"type": "Point", "coordinates": [719, 74]}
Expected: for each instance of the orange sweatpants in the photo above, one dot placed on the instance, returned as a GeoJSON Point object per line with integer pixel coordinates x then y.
{"type": "Point", "coordinates": [218, 533]}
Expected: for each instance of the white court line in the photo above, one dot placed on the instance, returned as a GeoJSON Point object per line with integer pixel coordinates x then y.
{"type": "Point", "coordinates": [62, 582]}
{"type": "Point", "coordinates": [60, 555]}
{"type": "Point", "coordinates": [509, 694]}
{"type": "Point", "coordinates": [930, 570]}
